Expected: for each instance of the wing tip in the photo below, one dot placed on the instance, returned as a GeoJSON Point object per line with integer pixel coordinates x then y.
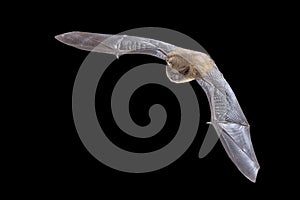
{"type": "Point", "coordinates": [63, 37]}
{"type": "Point", "coordinates": [59, 37]}
{"type": "Point", "coordinates": [253, 175]}
{"type": "Point", "coordinates": [68, 37]}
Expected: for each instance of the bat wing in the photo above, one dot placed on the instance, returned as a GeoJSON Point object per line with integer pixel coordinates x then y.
{"type": "Point", "coordinates": [116, 44]}
{"type": "Point", "coordinates": [230, 123]}
{"type": "Point", "coordinates": [226, 114]}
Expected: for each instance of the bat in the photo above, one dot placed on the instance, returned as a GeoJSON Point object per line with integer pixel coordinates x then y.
{"type": "Point", "coordinates": [184, 65]}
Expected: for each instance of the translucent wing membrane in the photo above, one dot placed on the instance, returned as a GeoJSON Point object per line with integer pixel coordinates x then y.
{"type": "Point", "coordinates": [230, 123]}
{"type": "Point", "coordinates": [227, 116]}
{"type": "Point", "coordinates": [116, 44]}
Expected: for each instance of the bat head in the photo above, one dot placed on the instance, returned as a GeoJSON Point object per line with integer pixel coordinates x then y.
{"type": "Point", "coordinates": [179, 69]}
{"type": "Point", "coordinates": [186, 65]}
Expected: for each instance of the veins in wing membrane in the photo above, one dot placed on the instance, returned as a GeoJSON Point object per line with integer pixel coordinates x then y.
{"type": "Point", "coordinates": [225, 106]}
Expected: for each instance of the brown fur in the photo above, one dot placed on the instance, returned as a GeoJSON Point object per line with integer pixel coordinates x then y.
{"type": "Point", "coordinates": [191, 64]}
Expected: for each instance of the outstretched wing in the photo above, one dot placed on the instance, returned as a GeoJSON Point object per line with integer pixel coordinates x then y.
{"type": "Point", "coordinates": [116, 44]}
{"type": "Point", "coordinates": [226, 114]}
{"type": "Point", "coordinates": [230, 123]}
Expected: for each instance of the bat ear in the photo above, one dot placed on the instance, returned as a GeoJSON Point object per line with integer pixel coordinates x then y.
{"type": "Point", "coordinates": [175, 76]}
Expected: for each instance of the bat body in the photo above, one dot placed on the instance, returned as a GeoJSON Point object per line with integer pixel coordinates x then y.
{"type": "Point", "coordinates": [184, 65]}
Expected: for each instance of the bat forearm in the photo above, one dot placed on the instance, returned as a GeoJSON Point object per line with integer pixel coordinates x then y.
{"type": "Point", "coordinates": [223, 102]}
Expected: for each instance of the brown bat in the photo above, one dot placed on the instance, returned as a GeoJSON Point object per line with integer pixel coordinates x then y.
{"type": "Point", "coordinates": [184, 65]}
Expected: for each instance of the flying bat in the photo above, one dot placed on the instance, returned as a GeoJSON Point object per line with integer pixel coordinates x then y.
{"type": "Point", "coordinates": [184, 65]}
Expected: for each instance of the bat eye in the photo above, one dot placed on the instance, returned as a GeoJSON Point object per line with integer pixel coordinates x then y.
{"type": "Point", "coordinates": [185, 71]}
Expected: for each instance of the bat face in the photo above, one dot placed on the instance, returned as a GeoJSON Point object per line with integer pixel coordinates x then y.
{"type": "Point", "coordinates": [179, 70]}
{"type": "Point", "coordinates": [187, 65]}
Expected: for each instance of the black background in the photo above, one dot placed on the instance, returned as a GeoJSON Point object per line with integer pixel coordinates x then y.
{"type": "Point", "coordinates": [238, 39]}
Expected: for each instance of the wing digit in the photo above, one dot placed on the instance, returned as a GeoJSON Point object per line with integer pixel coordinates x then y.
{"type": "Point", "coordinates": [230, 123]}
{"type": "Point", "coordinates": [116, 44]}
